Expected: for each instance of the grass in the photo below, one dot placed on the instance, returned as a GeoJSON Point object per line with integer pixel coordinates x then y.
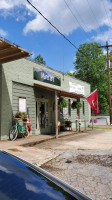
{"type": "Point", "coordinates": [101, 127]}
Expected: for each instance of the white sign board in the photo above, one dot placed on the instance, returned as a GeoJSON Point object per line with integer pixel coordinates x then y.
{"type": "Point", "coordinates": [22, 104]}
{"type": "Point", "coordinates": [76, 88]}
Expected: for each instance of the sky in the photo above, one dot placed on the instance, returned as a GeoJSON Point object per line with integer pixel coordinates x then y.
{"type": "Point", "coordinates": [79, 20]}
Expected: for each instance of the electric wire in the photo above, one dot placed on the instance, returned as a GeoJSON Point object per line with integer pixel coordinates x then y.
{"type": "Point", "coordinates": [79, 15]}
{"type": "Point", "coordinates": [56, 28]}
{"type": "Point", "coordinates": [95, 19]}
{"type": "Point", "coordinates": [74, 15]}
{"type": "Point", "coordinates": [106, 12]}
{"type": "Point", "coordinates": [76, 19]}
{"type": "Point", "coordinates": [52, 25]}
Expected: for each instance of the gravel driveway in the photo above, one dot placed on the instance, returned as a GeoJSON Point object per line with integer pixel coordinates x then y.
{"type": "Point", "coordinates": [84, 162]}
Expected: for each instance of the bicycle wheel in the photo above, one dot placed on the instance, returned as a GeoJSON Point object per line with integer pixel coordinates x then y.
{"type": "Point", "coordinates": [13, 132]}
{"type": "Point", "coordinates": [25, 132]}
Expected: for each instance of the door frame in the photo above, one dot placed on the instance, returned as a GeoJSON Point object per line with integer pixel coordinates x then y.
{"type": "Point", "coordinates": [38, 129]}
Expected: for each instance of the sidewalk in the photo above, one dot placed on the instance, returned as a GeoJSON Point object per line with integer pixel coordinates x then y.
{"type": "Point", "coordinates": [25, 147]}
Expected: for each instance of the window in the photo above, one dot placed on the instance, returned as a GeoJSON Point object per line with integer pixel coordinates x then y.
{"type": "Point", "coordinates": [69, 107]}
{"type": "Point", "coordinates": [22, 104]}
{"type": "Point", "coordinates": [83, 108]}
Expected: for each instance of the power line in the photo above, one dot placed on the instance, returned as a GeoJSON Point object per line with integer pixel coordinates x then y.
{"type": "Point", "coordinates": [52, 25]}
{"type": "Point", "coordinates": [56, 28]}
{"type": "Point", "coordinates": [95, 19]}
{"type": "Point", "coordinates": [106, 12]}
{"type": "Point", "coordinates": [76, 18]}
{"type": "Point", "coordinates": [80, 16]}
{"type": "Point", "coordinates": [74, 15]}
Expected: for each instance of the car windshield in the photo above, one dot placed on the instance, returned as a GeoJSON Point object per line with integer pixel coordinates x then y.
{"type": "Point", "coordinates": [20, 181]}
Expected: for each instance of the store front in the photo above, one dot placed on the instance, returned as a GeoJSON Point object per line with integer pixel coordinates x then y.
{"type": "Point", "coordinates": [26, 85]}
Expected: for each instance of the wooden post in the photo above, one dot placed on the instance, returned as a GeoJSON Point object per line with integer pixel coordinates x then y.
{"type": "Point", "coordinates": [85, 125]}
{"type": "Point", "coordinates": [76, 126]}
{"type": "Point", "coordinates": [56, 114]}
{"type": "Point", "coordinates": [92, 123]}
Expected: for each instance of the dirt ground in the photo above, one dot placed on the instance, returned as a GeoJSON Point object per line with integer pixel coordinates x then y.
{"type": "Point", "coordinates": [84, 162]}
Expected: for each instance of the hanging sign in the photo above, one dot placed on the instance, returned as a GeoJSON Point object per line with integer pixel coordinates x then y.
{"type": "Point", "coordinates": [22, 104]}
{"type": "Point", "coordinates": [46, 76]}
{"type": "Point", "coordinates": [76, 88]}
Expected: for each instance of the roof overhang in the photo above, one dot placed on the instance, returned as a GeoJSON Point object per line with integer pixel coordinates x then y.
{"type": "Point", "coordinates": [61, 92]}
{"type": "Point", "coordinates": [10, 51]}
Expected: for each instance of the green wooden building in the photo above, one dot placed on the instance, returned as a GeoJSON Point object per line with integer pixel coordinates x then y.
{"type": "Point", "coordinates": [25, 84]}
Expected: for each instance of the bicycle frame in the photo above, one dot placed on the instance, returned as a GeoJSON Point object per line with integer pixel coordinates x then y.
{"type": "Point", "coordinates": [21, 129]}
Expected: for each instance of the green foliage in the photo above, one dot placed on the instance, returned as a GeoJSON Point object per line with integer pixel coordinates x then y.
{"type": "Point", "coordinates": [76, 105]}
{"type": "Point", "coordinates": [90, 66]}
{"type": "Point", "coordinates": [68, 122]}
{"type": "Point", "coordinates": [17, 115]}
{"type": "Point", "coordinates": [62, 103]}
{"type": "Point", "coordinates": [22, 115]}
{"type": "Point", "coordinates": [40, 60]}
{"type": "Point", "coordinates": [71, 74]}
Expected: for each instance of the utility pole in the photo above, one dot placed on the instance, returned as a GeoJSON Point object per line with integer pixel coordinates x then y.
{"type": "Point", "coordinates": [108, 70]}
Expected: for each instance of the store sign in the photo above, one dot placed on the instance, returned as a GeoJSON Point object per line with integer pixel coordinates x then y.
{"type": "Point", "coordinates": [76, 88]}
{"type": "Point", "coordinates": [46, 76]}
{"type": "Point", "coordinates": [22, 104]}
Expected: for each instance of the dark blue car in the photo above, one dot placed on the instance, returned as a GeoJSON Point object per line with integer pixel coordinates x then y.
{"type": "Point", "coordinates": [20, 180]}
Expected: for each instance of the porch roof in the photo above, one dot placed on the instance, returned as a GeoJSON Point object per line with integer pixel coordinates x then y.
{"type": "Point", "coordinates": [61, 92]}
{"type": "Point", "coordinates": [10, 51]}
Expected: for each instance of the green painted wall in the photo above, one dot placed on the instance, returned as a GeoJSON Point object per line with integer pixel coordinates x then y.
{"type": "Point", "coordinates": [17, 80]}
{"type": "Point", "coordinates": [0, 95]}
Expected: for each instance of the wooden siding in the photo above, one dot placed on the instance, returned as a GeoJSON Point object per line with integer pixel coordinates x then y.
{"type": "Point", "coordinates": [6, 108]}
{"type": "Point", "coordinates": [0, 95]}
{"type": "Point", "coordinates": [21, 90]}
{"type": "Point", "coordinates": [31, 94]}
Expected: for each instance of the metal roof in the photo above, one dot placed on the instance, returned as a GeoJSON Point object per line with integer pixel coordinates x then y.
{"type": "Point", "coordinates": [10, 51]}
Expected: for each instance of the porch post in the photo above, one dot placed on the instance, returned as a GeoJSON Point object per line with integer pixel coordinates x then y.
{"type": "Point", "coordinates": [56, 113]}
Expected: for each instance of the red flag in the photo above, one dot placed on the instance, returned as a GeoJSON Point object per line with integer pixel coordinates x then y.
{"type": "Point", "coordinates": [93, 101]}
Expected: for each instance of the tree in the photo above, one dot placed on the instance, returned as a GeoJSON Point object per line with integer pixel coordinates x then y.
{"type": "Point", "coordinates": [40, 60]}
{"type": "Point", "coordinates": [90, 66]}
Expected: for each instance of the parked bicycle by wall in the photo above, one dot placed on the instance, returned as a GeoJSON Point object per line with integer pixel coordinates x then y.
{"type": "Point", "coordinates": [17, 129]}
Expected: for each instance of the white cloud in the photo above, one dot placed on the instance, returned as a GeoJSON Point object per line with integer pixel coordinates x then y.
{"type": "Point", "coordinates": [33, 55]}
{"type": "Point", "coordinates": [104, 51]}
{"type": "Point", "coordinates": [59, 15]}
{"type": "Point", "coordinates": [8, 4]}
{"type": "Point", "coordinates": [71, 71]}
{"type": "Point", "coordinates": [3, 33]}
{"type": "Point", "coordinates": [106, 36]}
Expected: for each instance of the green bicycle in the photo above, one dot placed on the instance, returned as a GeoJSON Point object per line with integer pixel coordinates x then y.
{"type": "Point", "coordinates": [18, 129]}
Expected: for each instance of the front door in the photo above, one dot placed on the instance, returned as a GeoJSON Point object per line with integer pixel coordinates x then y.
{"type": "Point", "coordinates": [42, 116]}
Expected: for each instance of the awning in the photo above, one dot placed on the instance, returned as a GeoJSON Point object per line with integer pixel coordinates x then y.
{"type": "Point", "coordinates": [61, 92]}
{"type": "Point", "coordinates": [10, 51]}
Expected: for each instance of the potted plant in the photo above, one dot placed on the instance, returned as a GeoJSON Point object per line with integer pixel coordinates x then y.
{"type": "Point", "coordinates": [24, 116]}
{"type": "Point", "coordinates": [79, 105]}
{"type": "Point", "coordinates": [76, 105]}
{"type": "Point", "coordinates": [62, 102]}
{"type": "Point", "coordinates": [68, 123]}
{"type": "Point", "coordinates": [17, 115]}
